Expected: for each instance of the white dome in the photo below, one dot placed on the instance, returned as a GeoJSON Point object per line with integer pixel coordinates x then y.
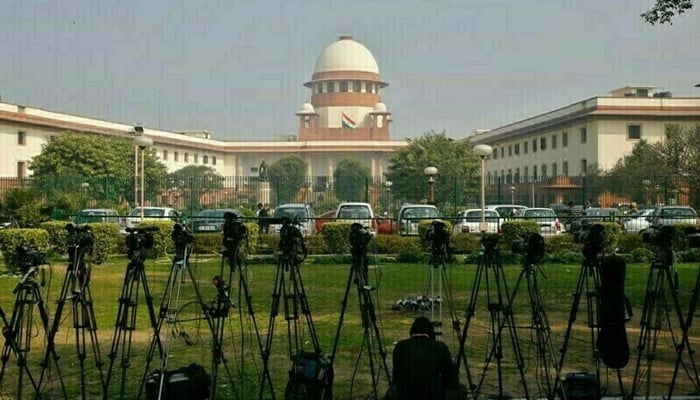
{"type": "Point", "coordinates": [306, 108]}
{"type": "Point", "coordinates": [380, 107]}
{"type": "Point", "coordinates": [346, 55]}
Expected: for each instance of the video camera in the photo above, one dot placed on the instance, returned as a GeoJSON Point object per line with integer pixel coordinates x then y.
{"type": "Point", "coordinates": [139, 242]}
{"type": "Point", "coordinates": [531, 245]}
{"type": "Point", "coordinates": [292, 240]}
{"type": "Point", "coordinates": [438, 236]}
{"type": "Point", "coordinates": [490, 241]}
{"type": "Point", "coordinates": [359, 237]}
{"type": "Point", "coordinates": [592, 236]}
{"type": "Point", "coordinates": [659, 236]}
{"type": "Point", "coordinates": [79, 235]}
{"type": "Point", "coordinates": [181, 239]}
{"type": "Point", "coordinates": [26, 257]}
{"type": "Point", "coordinates": [235, 232]}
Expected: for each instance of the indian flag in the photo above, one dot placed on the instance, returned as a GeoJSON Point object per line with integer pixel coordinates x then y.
{"type": "Point", "coordinates": [347, 122]}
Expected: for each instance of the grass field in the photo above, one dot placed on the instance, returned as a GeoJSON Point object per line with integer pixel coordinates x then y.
{"type": "Point", "coordinates": [240, 375]}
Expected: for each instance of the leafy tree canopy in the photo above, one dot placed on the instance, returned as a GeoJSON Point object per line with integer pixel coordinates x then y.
{"type": "Point", "coordinates": [454, 159]}
{"type": "Point", "coordinates": [664, 11]}
{"type": "Point", "coordinates": [286, 177]}
{"type": "Point", "coordinates": [350, 180]}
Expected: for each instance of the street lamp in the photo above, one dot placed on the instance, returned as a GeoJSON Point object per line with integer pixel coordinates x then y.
{"type": "Point", "coordinates": [141, 142]}
{"type": "Point", "coordinates": [512, 195]}
{"type": "Point", "coordinates": [430, 172]}
{"type": "Point", "coordinates": [483, 151]}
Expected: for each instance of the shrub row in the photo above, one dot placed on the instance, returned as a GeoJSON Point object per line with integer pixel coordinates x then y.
{"type": "Point", "coordinates": [334, 243]}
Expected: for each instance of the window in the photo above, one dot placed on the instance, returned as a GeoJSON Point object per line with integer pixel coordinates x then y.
{"type": "Point", "coordinates": [584, 135]}
{"type": "Point", "coordinates": [330, 87]}
{"type": "Point", "coordinates": [213, 160]}
{"type": "Point", "coordinates": [634, 132]}
{"type": "Point", "coordinates": [544, 170]}
{"type": "Point", "coordinates": [343, 86]}
{"type": "Point", "coordinates": [509, 177]}
{"type": "Point", "coordinates": [564, 139]}
{"type": "Point", "coordinates": [554, 141]}
{"type": "Point", "coordinates": [525, 172]}
{"type": "Point", "coordinates": [543, 143]}
{"type": "Point", "coordinates": [525, 147]}
{"type": "Point", "coordinates": [510, 151]}
{"type": "Point", "coordinates": [357, 86]}
{"type": "Point", "coordinates": [187, 157]}
{"type": "Point", "coordinates": [369, 87]}
{"type": "Point", "coordinates": [196, 158]}
{"type": "Point", "coordinates": [584, 166]}
{"type": "Point", "coordinates": [565, 168]}
{"type": "Point", "coordinates": [165, 155]}
{"type": "Point", "coordinates": [534, 172]}
{"type": "Point", "coordinates": [205, 159]}
{"type": "Point", "coordinates": [516, 179]}
{"type": "Point", "coordinates": [554, 169]}
{"type": "Point", "coordinates": [320, 87]}
{"type": "Point", "coordinates": [495, 154]}
{"type": "Point", "coordinates": [534, 145]}
{"type": "Point", "coordinates": [21, 169]}
{"type": "Point", "coordinates": [176, 156]}
{"type": "Point", "coordinates": [21, 138]}
{"type": "Point", "coordinates": [503, 152]}
{"type": "Point", "coordinates": [516, 148]}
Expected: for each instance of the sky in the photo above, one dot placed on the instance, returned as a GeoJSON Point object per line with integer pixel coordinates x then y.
{"type": "Point", "coordinates": [237, 67]}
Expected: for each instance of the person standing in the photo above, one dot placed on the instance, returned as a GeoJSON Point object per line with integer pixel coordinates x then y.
{"type": "Point", "coordinates": [422, 366]}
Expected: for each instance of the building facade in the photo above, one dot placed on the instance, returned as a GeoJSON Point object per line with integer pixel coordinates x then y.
{"type": "Point", "coordinates": [594, 132]}
{"type": "Point", "coordinates": [344, 119]}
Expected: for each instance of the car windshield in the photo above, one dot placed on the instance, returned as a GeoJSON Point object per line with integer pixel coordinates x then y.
{"type": "Point", "coordinates": [677, 212]}
{"type": "Point", "coordinates": [215, 213]}
{"type": "Point", "coordinates": [539, 213]}
{"type": "Point", "coordinates": [148, 212]}
{"type": "Point", "coordinates": [93, 213]}
{"type": "Point", "coordinates": [420, 212]}
{"type": "Point", "coordinates": [354, 212]}
{"type": "Point", "coordinates": [600, 212]}
{"type": "Point", "coordinates": [290, 212]}
{"type": "Point", "coordinates": [476, 215]}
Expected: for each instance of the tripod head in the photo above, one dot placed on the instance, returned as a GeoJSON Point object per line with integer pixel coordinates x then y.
{"type": "Point", "coordinates": [79, 240]}
{"type": "Point", "coordinates": [234, 233]}
{"type": "Point", "coordinates": [531, 245]}
{"type": "Point", "coordinates": [182, 239]}
{"type": "Point", "coordinates": [291, 242]}
{"type": "Point", "coordinates": [439, 238]}
{"type": "Point", "coordinates": [592, 236]}
{"type": "Point", "coordinates": [359, 237]}
{"type": "Point", "coordinates": [139, 243]}
{"type": "Point", "coordinates": [490, 242]}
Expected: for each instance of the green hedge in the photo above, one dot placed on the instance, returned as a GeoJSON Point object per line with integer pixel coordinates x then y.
{"type": "Point", "coordinates": [10, 239]}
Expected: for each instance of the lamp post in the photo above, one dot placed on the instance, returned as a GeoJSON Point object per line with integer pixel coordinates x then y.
{"type": "Point", "coordinates": [512, 195]}
{"type": "Point", "coordinates": [430, 172]}
{"type": "Point", "coordinates": [483, 151]}
{"type": "Point", "coordinates": [142, 143]}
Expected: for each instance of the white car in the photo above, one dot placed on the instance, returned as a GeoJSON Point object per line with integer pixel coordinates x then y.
{"type": "Point", "coordinates": [300, 213]}
{"type": "Point", "coordinates": [410, 215]}
{"type": "Point", "coordinates": [639, 221]}
{"type": "Point", "coordinates": [546, 218]}
{"type": "Point", "coordinates": [354, 212]}
{"type": "Point", "coordinates": [469, 221]}
{"type": "Point", "coordinates": [151, 214]}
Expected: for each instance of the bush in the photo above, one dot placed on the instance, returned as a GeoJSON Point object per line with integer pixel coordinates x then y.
{"type": "Point", "coordinates": [106, 236]}
{"type": "Point", "coordinates": [57, 235]}
{"type": "Point", "coordinates": [514, 229]}
{"type": "Point", "coordinates": [336, 237]}
{"type": "Point", "coordinates": [392, 244]}
{"type": "Point", "coordinates": [208, 243]}
{"type": "Point", "coordinates": [10, 239]}
{"type": "Point", "coordinates": [162, 242]}
{"type": "Point", "coordinates": [641, 254]}
{"type": "Point", "coordinates": [627, 242]}
{"type": "Point", "coordinates": [464, 243]}
{"type": "Point", "coordinates": [411, 253]}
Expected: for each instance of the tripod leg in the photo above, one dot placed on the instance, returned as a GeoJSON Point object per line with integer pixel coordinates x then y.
{"type": "Point", "coordinates": [684, 340]}
{"type": "Point", "coordinates": [17, 336]}
{"type": "Point", "coordinates": [274, 311]}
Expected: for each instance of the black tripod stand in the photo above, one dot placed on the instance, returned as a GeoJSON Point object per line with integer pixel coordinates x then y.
{"type": "Point", "coordinates": [376, 352]}
{"type": "Point", "coordinates": [532, 248]}
{"type": "Point", "coordinates": [310, 376]}
{"type": "Point", "coordinates": [500, 309]}
{"type": "Point", "coordinates": [439, 239]}
{"type": "Point", "coordinates": [76, 288]}
{"type": "Point", "coordinates": [17, 331]}
{"type": "Point", "coordinates": [656, 313]}
{"type": "Point", "coordinates": [139, 243]}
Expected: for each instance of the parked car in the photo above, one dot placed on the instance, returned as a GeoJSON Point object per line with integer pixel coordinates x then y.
{"type": "Point", "coordinates": [355, 212]}
{"type": "Point", "coordinates": [546, 218]}
{"type": "Point", "coordinates": [410, 215]}
{"type": "Point", "coordinates": [328, 216]}
{"type": "Point", "coordinates": [505, 210]}
{"type": "Point", "coordinates": [638, 221]}
{"type": "Point", "coordinates": [301, 213]}
{"type": "Point", "coordinates": [211, 220]}
{"type": "Point", "coordinates": [151, 214]}
{"type": "Point", "coordinates": [469, 221]}
{"type": "Point", "coordinates": [100, 215]}
{"type": "Point", "coordinates": [674, 215]}
{"type": "Point", "coordinates": [600, 214]}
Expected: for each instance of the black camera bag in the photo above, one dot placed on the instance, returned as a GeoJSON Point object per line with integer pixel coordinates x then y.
{"type": "Point", "coordinates": [187, 383]}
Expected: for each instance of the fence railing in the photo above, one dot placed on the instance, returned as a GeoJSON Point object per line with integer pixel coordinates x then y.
{"type": "Point", "coordinates": [192, 194]}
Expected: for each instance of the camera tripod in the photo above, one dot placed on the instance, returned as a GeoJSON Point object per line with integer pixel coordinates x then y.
{"type": "Point", "coordinates": [171, 314]}
{"type": "Point", "coordinates": [539, 323]}
{"type": "Point", "coordinates": [684, 339]}
{"type": "Point", "coordinates": [289, 288]}
{"type": "Point", "coordinates": [125, 325]}
{"type": "Point", "coordinates": [17, 331]}
{"type": "Point", "coordinates": [589, 282]}
{"type": "Point", "coordinates": [660, 284]}
{"type": "Point", "coordinates": [500, 309]}
{"type": "Point", "coordinates": [437, 265]}
{"type": "Point", "coordinates": [76, 288]}
{"type": "Point", "coordinates": [371, 334]}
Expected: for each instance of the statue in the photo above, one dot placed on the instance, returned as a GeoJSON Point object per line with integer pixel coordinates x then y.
{"type": "Point", "coordinates": [262, 171]}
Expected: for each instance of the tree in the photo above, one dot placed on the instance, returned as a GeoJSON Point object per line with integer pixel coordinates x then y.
{"type": "Point", "coordinates": [680, 156]}
{"type": "Point", "coordinates": [458, 167]}
{"type": "Point", "coordinates": [194, 181]}
{"type": "Point", "coordinates": [92, 166]}
{"type": "Point", "coordinates": [634, 173]}
{"type": "Point", "coordinates": [287, 177]}
{"type": "Point", "coordinates": [350, 180]}
{"type": "Point", "coordinates": [664, 10]}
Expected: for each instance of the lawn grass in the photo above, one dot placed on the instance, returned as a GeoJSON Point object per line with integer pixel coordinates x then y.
{"type": "Point", "coordinates": [239, 376]}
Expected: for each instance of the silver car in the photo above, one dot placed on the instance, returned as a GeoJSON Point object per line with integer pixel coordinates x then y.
{"type": "Point", "coordinates": [411, 215]}
{"type": "Point", "coordinates": [638, 221]}
{"type": "Point", "coordinates": [469, 221]}
{"type": "Point", "coordinates": [674, 215]}
{"type": "Point", "coordinates": [546, 218]}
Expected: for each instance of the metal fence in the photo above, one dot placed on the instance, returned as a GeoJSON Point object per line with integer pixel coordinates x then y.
{"type": "Point", "coordinates": [189, 195]}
